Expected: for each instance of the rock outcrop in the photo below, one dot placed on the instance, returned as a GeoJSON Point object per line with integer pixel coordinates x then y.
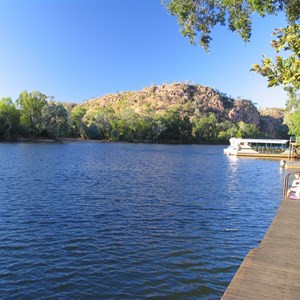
{"type": "Point", "coordinates": [244, 110]}
{"type": "Point", "coordinates": [190, 100]}
{"type": "Point", "coordinates": [271, 123]}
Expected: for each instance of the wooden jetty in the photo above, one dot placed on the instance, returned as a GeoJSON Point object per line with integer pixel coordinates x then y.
{"type": "Point", "coordinates": [292, 165]}
{"type": "Point", "coordinates": [272, 271]}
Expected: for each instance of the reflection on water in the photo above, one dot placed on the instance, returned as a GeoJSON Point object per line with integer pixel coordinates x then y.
{"type": "Point", "coordinates": [232, 163]}
{"type": "Point", "coordinates": [129, 221]}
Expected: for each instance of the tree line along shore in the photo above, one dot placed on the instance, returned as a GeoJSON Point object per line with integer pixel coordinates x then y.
{"type": "Point", "coordinates": [169, 113]}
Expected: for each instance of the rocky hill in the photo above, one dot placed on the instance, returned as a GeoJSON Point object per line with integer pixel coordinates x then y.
{"type": "Point", "coordinates": [187, 98]}
{"type": "Point", "coordinates": [190, 102]}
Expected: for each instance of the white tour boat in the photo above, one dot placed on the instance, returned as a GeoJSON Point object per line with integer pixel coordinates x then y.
{"type": "Point", "coordinates": [261, 148]}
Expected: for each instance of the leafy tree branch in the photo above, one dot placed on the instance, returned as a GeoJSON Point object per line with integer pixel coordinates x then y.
{"type": "Point", "coordinates": [283, 71]}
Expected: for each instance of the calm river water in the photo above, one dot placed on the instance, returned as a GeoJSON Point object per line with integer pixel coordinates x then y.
{"type": "Point", "coordinates": [128, 221]}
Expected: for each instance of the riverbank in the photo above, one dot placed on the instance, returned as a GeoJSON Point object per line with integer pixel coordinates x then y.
{"type": "Point", "coordinates": [61, 140]}
{"type": "Point", "coordinates": [48, 140]}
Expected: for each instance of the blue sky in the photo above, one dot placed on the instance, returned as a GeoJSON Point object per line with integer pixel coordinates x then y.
{"type": "Point", "coordinates": [75, 50]}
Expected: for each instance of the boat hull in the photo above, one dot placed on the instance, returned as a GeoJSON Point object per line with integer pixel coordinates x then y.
{"type": "Point", "coordinates": [263, 155]}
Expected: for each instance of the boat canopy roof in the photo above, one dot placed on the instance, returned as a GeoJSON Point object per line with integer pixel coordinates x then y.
{"type": "Point", "coordinates": [260, 141]}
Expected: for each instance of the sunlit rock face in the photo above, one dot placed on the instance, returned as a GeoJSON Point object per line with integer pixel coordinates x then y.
{"type": "Point", "coordinates": [244, 110]}
{"type": "Point", "coordinates": [189, 100]}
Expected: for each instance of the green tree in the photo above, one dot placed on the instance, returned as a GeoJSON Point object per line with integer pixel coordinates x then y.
{"type": "Point", "coordinates": [294, 99]}
{"type": "Point", "coordinates": [283, 71]}
{"type": "Point", "coordinates": [294, 123]}
{"type": "Point", "coordinates": [131, 126]}
{"type": "Point", "coordinates": [205, 128]}
{"type": "Point", "coordinates": [157, 128]}
{"type": "Point", "coordinates": [171, 121]}
{"type": "Point", "coordinates": [126, 125]}
{"type": "Point", "coordinates": [246, 130]}
{"type": "Point", "coordinates": [226, 130]}
{"type": "Point", "coordinates": [201, 16]}
{"type": "Point", "coordinates": [292, 114]}
{"type": "Point", "coordinates": [144, 125]}
{"type": "Point", "coordinates": [31, 105]}
{"type": "Point", "coordinates": [9, 118]}
{"type": "Point", "coordinates": [94, 132]}
{"type": "Point", "coordinates": [55, 120]}
{"type": "Point", "coordinates": [102, 121]}
{"type": "Point", "coordinates": [76, 124]}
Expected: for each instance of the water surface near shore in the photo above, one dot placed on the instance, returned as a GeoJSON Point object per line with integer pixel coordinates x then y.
{"type": "Point", "coordinates": [129, 221]}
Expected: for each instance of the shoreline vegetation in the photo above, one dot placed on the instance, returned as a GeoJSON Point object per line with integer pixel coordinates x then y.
{"type": "Point", "coordinates": [178, 113]}
{"type": "Point", "coordinates": [83, 140]}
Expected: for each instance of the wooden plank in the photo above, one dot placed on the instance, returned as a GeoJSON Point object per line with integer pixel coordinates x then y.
{"type": "Point", "coordinates": [272, 271]}
{"type": "Point", "coordinates": [292, 165]}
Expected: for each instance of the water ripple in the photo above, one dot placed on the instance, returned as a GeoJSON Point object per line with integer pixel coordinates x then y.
{"type": "Point", "coordinates": [124, 221]}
